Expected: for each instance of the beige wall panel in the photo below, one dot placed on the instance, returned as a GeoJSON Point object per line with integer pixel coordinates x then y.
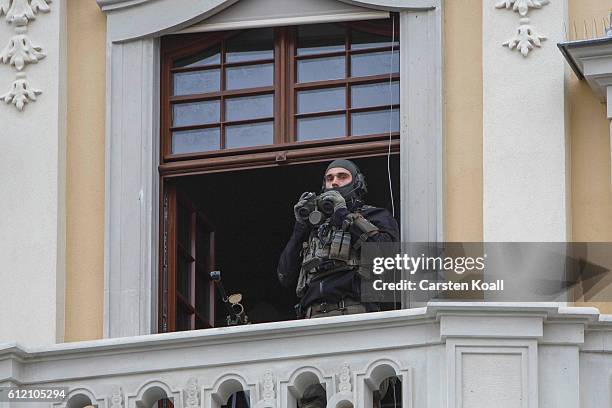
{"type": "Point", "coordinates": [591, 187]}
{"type": "Point", "coordinates": [463, 121]}
{"type": "Point", "coordinates": [85, 170]}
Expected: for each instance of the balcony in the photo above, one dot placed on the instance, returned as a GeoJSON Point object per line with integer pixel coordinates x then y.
{"type": "Point", "coordinates": [446, 355]}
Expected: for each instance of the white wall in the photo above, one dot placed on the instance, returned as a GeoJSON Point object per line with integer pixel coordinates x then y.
{"type": "Point", "coordinates": [524, 148]}
{"type": "Point", "coordinates": [32, 180]}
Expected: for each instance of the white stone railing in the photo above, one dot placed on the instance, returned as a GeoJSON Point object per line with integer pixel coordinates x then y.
{"type": "Point", "coordinates": [446, 355]}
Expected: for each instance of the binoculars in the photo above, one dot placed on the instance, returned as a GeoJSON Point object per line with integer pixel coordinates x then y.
{"type": "Point", "coordinates": [315, 209]}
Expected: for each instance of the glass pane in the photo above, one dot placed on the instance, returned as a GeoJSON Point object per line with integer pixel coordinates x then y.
{"type": "Point", "coordinates": [361, 40]}
{"type": "Point", "coordinates": [189, 83]}
{"type": "Point", "coordinates": [183, 227]}
{"type": "Point", "coordinates": [252, 134]}
{"type": "Point", "coordinates": [202, 244]}
{"type": "Point", "coordinates": [196, 113]}
{"type": "Point", "coordinates": [202, 293]}
{"type": "Point", "coordinates": [252, 45]}
{"type": "Point", "coordinates": [321, 69]}
{"type": "Point", "coordinates": [209, 57]}
{"type": "Point", "coordinates": [320, 38]}
{"type": "Point", "coordinates": [321, 100]}
{"type": "Point", "coordinates": [251, 76]}
{"type": "Point", "coordinates": [322, 127]}
{"type": "Point", "coordinates": [374, 94]}
{"type": "Point", "coordinates": [374, 123]}
{"type": "Point", "coordinates": [200, 140]}
{"type": "Point", "coordinates": [183, 321]}
{"type": "Point", "coordinates": [374, 64]}
{"type": "Point", "coordinates": [249, 107]}
{"type": "Point", "coordinates": [183, 276]}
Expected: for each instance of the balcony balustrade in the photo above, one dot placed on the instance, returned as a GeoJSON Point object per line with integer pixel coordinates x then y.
{"type": "Point", "coordinates": [444, 355]}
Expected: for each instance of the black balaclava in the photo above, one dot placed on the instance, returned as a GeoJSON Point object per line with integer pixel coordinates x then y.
{"type": "Point", "coordinates": [355, 190]}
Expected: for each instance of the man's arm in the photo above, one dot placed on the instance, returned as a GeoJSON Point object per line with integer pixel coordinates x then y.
{"type": "Point", "coordinates": [290, 260]}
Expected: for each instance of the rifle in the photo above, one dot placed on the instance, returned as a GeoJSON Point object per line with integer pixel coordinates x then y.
{"type": "Point", "coordinates": [235, 311]}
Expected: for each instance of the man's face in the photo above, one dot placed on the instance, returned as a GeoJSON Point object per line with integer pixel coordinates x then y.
{"type": "Point", "coordinates": [337, 177]}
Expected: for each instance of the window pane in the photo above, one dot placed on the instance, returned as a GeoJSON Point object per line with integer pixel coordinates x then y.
{"type": "Point", "coordinates": [323, 127]}
{"type": "Point", "coordinates": [321, 69]}
{"type": "Point", "coordinates": [251, 45]}
{"type": "Point", "coordinates": [374, 123]}
{"type": "Point", "coordinates": [202, 293]}
{"type": "Point", "coordinates": [320, 38]}
{"type": "Point", "coordinates": [250, 107]}
{"type": "Point", "coordinates": [196, 113]}
{"type": "Point", "coordinates": [192, 141]}
{"type": "Point", "coordinates": [251, 76]}
{"type": "Point", "coordinates": [183, 230]}
{"type": "Point", "coordinates": [183, 321]}
{"type": "Point", "coordinates": [361, 40]}
{"type": "Point", "coordinates": [374, 94]}
{"type": "Point", "coordinates": [321, 100]}
{"type": "Point", "coordinates": [209, 57]}
{"type": "Point", "coordinates": [374, 64]}
{"type": "Point", "coordinates": [252, 134]}
{"type": "Point", "coordinates": [189, 83]}
{"type": "Point", "coordinates": [183, 276]}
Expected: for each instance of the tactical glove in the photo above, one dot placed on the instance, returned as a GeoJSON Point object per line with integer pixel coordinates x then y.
{"type": "Point", "coordinates": [304, 206]}
{"type": "Point", "coordinates": [335, 197]}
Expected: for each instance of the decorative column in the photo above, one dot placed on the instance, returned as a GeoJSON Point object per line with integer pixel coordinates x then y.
{"type": "Point", "coordinates": [32, 165]}
{"type": "Point", "coordinates": [524, 143]}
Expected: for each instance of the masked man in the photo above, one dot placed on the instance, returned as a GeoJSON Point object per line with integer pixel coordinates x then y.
{"type": "Point", "coordinates": [322, 258]}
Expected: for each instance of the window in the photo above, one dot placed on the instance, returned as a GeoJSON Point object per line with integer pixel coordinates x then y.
{"type": "Point", "coordinates": [273, 88]}
{"type": "Point", "coordinates": [248, 100]}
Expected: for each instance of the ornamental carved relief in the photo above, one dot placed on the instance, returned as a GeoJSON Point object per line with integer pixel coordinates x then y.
{"type": "Point", "coordinates": [21, 93]}
{"type": "Point", "coordinates": [20, 50]}
{"type": "Point", "coordinates": [116, 399]}
{"type": "Point", "coordinates": [21, 12]}
{"type": "Point", "coordinates": [522, 6]}
{"type": "Point", "coordinates": [268, 386]}
{"type": "Point", "coordinates": [525, 38]}
{"type": "Point", "coordinates": [192, 394]}
{"type": "Point", "coordinates": [344, 378]}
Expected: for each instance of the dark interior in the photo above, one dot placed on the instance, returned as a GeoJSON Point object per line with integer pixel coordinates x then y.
{"type": "Point", "coordinates": [252, 212]}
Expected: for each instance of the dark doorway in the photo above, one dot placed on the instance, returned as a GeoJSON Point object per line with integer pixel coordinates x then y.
{"type": "Point", "coordinates": [252, 211]}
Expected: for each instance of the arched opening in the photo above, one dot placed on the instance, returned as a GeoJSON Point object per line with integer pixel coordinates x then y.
{"type": "Point", "coordinates": [384, 386]}
{"type": "Point", "coordinates": [79, 401]}
{"type": "Point", "coordinates": [238, 399]}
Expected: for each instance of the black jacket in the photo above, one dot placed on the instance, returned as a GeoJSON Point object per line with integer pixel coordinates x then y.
{"type": "Point", "coordinates": [334, 287]}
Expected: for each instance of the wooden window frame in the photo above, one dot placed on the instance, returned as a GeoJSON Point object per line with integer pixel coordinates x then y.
{"type": "Point", "coordinates": [169, 295]}
{"type": "Point", "coordinates": [285, 148]}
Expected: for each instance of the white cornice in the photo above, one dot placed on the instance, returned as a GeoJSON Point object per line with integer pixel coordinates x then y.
{"type": "Point", "coordinates": [592, 60]}
{"type": "Point", "coordinates": [108, 5]}
{"type": "Point", "coordinates": [133, 19]}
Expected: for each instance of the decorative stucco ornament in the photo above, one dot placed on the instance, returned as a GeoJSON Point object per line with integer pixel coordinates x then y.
{"type": "Point", "coordinates": [522, 6]}
{"type": "Point", "coordinates": [21, 93]}
{"type": "Point", "coordinates": [268, 386]}
{"type": "Point", "coordinates": [525, 38]}
{"type": "Point", "coordinates": [20, 51]}
{"type": "Point", "coordinates": [116, 400]}
{"type": "Point", "coordinates": [20, 12]}
{"type": "Point", "coordinates": [192, 397]}
{"type": "Point", "coordinates": [344, 378]}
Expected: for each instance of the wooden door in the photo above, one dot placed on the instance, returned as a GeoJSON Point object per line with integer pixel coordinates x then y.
{"type": "Point", "coordinates": [188, 256]}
